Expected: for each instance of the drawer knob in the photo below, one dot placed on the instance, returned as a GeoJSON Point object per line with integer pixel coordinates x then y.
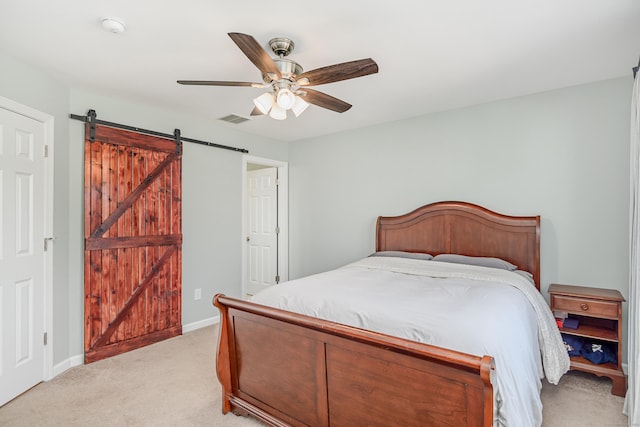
{"type": "Point", "coordinates": [584, 306]}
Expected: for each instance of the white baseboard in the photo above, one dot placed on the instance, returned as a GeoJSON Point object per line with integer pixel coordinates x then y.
{"type": "Point", "coordinates": [76, 360]}
{"type": "Point", "coordinates": [200, 324]}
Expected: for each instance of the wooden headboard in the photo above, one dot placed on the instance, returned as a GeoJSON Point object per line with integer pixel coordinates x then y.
{"type": "Point", "coordinates": [466, 229]}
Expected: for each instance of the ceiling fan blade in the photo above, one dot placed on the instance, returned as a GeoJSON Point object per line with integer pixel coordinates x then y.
{"type": "Point", "coordinates": [256, 54]}
{"type": "Point", "coordinates": [256, 112]}
{"type": "Point", "coordinates": [337, 72]}
{"type": "Point", "coordinates": [325, 101]}
{"type": "Point", "coordinates": [219, 83]}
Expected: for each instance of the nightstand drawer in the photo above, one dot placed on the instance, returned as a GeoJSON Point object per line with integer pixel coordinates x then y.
{"type": "Point", "coordinates": [585, 306]}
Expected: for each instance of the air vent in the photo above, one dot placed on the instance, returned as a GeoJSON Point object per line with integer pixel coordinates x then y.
{"type": "Point", "coordinates": [232, 118]}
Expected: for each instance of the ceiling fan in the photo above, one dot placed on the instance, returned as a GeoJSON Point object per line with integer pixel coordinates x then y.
{"type": "Point", "coordinates": [288, 84]}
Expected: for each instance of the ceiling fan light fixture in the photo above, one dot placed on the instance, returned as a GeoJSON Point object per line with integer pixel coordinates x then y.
{"type": "Point", "coordinates": [299, 106]}
{"type": "Point", "coordinates": [277, 112]}
{"type": "Point", "coordinates": [285, 99]}
{"type": "Point", "coordinates": [264, 102]}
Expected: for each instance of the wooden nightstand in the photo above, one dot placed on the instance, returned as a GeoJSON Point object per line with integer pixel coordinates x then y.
{"type": "Point", "coordinates": [599, 313]}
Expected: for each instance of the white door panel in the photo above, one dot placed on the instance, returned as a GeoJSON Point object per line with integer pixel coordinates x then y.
{"type": "Point", "coordinates": [22, 262]}
{"type": "Point", "coordinates": [262, 239]}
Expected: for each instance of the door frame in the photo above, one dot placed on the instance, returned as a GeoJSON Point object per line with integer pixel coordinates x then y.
{"type": "Point", "coordinates": [47, 121]}
{"type": "Point", "coordinates": [283, 215]}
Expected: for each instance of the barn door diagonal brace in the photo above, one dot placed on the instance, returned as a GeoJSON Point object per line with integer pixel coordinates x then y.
{"type": "Point", "coordinates": [113, 326]}
{"type": "Point", "coordinates": [133, 196]}
{"type": "Point", "coordinates": [91, 118]}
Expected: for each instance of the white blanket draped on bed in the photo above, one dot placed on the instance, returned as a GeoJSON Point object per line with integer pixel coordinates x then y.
{"type": "Point", "coordinates": [476, 310]}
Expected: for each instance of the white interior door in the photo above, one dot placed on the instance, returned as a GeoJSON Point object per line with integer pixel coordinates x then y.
{"type": "Point", "coordinates": [22, 259]}
{"type": "Point", "coordinates": [262, 238]}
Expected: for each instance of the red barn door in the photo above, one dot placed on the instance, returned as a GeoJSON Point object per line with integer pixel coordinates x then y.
{"type": "Point", "coordinates": [133, 241]}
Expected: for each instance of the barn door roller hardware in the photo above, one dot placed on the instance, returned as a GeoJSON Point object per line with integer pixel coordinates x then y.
{"type": "Point", "coordinates": [93, 121]}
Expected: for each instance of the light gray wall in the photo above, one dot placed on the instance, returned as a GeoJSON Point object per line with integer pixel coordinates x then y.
{"type": "Point", "coordinates": [563, 155]}
{"type": "Point", "coordinates": [560, 154]}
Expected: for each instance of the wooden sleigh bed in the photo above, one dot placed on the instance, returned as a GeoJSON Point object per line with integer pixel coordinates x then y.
{"type": "Point", "coordinates": [290, 369]}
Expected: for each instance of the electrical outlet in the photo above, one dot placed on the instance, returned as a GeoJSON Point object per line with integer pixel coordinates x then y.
{"type": "Point", "coordinates": [197, 294]}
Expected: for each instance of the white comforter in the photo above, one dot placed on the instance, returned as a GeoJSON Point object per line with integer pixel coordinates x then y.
{"type": "Point", "coordinates": [476, 310]}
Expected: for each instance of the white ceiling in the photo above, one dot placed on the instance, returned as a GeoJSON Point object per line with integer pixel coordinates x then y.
{"type": "Point", "coordinates": [432, 55]}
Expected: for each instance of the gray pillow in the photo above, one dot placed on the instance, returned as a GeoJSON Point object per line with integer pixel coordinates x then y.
{"type": "Point", "coordinates": [476, 260]}
{"type": "Point", "coordinates": [401, 254]}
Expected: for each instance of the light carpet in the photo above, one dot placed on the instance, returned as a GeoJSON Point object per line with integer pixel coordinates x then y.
{"type": "Point", "coordinates": [173, 383]}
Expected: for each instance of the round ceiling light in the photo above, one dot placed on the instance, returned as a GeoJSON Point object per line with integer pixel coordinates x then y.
{"type": "Point", "coordinates": [113, 25]}
{"type": "Point", "coordinates": [285, 99]}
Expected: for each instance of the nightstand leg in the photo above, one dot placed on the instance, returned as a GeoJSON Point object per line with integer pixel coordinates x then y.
{"type": "Point", "coordinates": [619, 385]}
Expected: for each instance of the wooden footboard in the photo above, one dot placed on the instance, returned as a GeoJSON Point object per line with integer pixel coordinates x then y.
{"type": "Point", "coordinates": [290, 369]}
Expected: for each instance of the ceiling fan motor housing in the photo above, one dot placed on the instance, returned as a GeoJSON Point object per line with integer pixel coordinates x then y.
{"type": "Point", "coordinates": [288, 69]}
